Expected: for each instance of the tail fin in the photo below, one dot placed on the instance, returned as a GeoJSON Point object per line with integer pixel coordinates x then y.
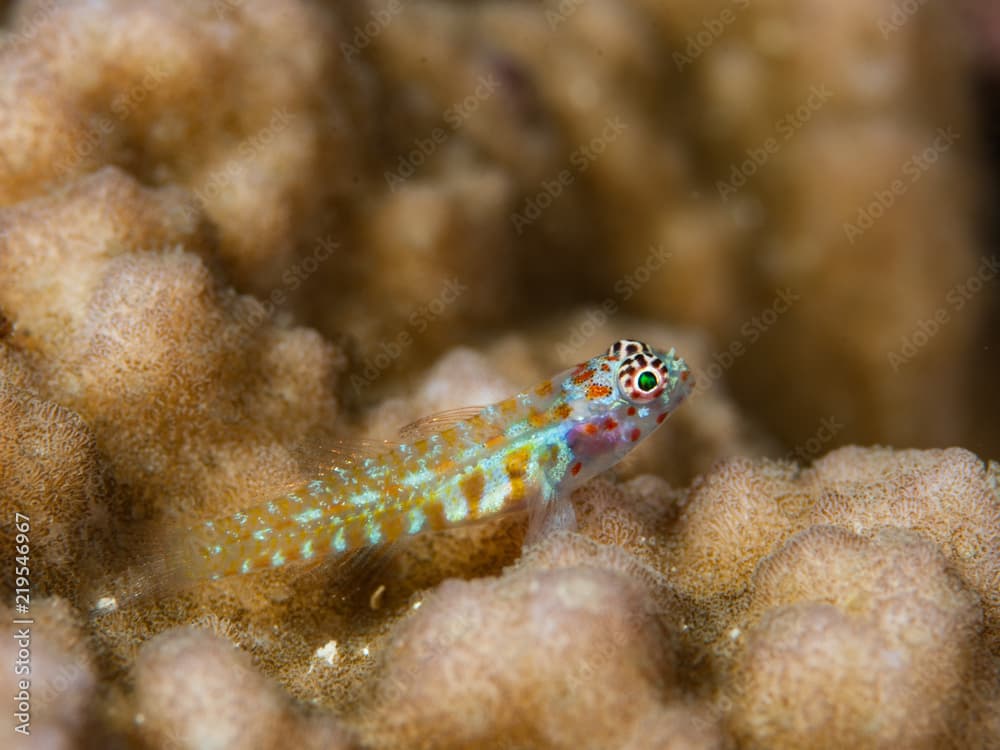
{"type": "Point", "coordinates": [157, 563]}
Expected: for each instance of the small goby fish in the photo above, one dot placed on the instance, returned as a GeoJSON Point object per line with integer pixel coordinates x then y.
{"type": "Point", "coordinates": [462, 466]}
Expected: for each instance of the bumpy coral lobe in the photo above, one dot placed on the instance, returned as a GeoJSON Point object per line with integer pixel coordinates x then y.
{"type": "Point", "coordinates": [265, 152]}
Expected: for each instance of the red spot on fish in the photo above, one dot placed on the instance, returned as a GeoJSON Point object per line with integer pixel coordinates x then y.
{"type": "Point", "coordinates": [659, 419]}
{"type": "Point", "coordinates": [576, 469]}
{"type": "Point", "coordinates": [684, 375]}
{"type": "Point", "coordinates": [610, 424]}
{"type": "Point", "coordinates": [635, 434]}
{"type": "Point", "coordinates": [590, 429]}
{"type": "Point", "coordinates": [582, 377]}
{"type": "Point", "coordinates": [631, 411]}
{"type": "Point", "coordinates": [605, 368]}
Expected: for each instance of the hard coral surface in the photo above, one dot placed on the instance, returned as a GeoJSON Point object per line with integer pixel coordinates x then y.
{"type": "Point", "coordinates": [136, 386]}
{"type": "Point", "coordinates": [746, 195]}
{"type": "Point", "coordinates": [245, 104]}
{"type": "Point", "coordinates": [410, 175]}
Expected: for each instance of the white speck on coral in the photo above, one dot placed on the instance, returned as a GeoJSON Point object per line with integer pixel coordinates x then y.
{"type": "Point", "coordinates": [106, 604]}
{"type": "Point", "coordinates": [140, 719]}
{"type": "Point", "coordinates": [416, 605]}
{"type": "Point", "coordinates": [364, 650]}
{"type": "Point", "coordinates": [734, 633]}
{"type": "Point", "coordinates": [327, 653]}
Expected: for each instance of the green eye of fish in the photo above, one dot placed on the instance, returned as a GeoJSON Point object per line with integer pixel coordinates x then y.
{"type": "Point", "coordinates": [647, 381]}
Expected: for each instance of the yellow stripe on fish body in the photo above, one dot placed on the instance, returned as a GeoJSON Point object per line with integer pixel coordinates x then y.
{"type": "Point", "coordinates": [532, 447]}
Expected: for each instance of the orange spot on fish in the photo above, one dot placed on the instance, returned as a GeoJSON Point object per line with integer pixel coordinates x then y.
{"type": "Point", "coordinates": [544, 389]}
{"type": "Point", "coordinates": [562, 411]}
{"type": "Point", "coordinates": [355, 533]}
{"type": "Point", "coordinates": [595, 391]}
{"type": "Point", "coordinates": [684, 375]}
{"type": "Point", "coordinates": [583, 377]}
{"type": "Point", "coordinates": [537, 419]}
{"type": "Point", "coordinates": [508, 406]}
{"type": "Point", "coordinates": [392, 524]}
{"type": "Point", "coordinates": [516, 466]}
{"type": "Point", "coordinates": [444, 467]}
{"type": "Point", "coordinates": [576, 468]}
{"type": "Point", "coordinates": [434, 512]}
{"type": "Point", "coordinates": [472, 488]}
{"type": "Point", "coordinates": [495, 442]}
{"type": "Point", "coordinates": [605, 368]}
{"type": "Point", "coordinates": [590, 429]}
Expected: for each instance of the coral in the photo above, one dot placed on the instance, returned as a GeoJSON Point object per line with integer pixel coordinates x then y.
{"type": "Point", "coordinates": [706, 200]}
{"type": "Point", "coordinates": [193, 690]}
{"type": "Point", "coordinates": [455, 673]}
{"type": "Point", "coordinates": [48, 451]}
{"type": "Point", "coordinates": [50, 656]}
{"type": "Point", "coordinates": [243, 103]}
{"type": "Point", "coordinates": [860, 633]}
{"type": "Point", "coordinates": [181, 390]}
{"type": "Point", "coordinates": [984, 26]}
{"type": "Point", "coordinates": [408, 175]}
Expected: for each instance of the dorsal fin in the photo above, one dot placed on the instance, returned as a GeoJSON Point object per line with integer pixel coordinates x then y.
{"type": "Point", "coordinates": [439, 422]}
{"type": "Point", "coordinates": [349, 451]}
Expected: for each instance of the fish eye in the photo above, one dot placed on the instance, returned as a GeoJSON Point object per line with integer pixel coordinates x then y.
{"type": "Point", "coordinates": [647, 381]}
{"type": "Point", "coordinates": [640, 380]}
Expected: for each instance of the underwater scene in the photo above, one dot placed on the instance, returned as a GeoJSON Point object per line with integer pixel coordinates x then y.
{"type": "Point", "coordinates": [500, 374]}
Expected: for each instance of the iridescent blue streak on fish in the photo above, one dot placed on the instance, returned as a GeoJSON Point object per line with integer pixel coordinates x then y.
{"type": "Point", "coordinates": [535, 447]}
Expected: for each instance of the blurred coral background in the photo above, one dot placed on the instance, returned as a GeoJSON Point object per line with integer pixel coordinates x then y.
{"type": "Point", "coordinates": [235, 231]}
